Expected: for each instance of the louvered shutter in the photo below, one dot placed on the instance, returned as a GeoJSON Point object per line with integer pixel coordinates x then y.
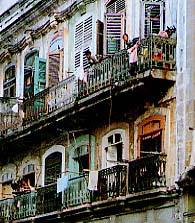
{"type": "Point", "coordinates": [87, 31]}
{"type": "Point", "coordinates": [78, 44]}
{"type": "Point", "coordinates": [100, 37]}
{"type": "Point", "coordinates": [53, 68]}
{"type": "Point", "coordinates": [83, 41]}
{"type": "Point", "coordinates": [114, 32]}
{"type": "Point", "coordinates": [39, 75]}
{"type": "Point", "coordinates": [153, 17]}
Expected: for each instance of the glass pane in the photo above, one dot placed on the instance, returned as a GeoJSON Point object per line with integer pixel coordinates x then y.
{"type": "Point", "coordinates": [53, 165]}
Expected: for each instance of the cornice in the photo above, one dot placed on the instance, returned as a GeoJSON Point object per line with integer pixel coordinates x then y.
{"type": "Point", "coordinates": [43, 9]}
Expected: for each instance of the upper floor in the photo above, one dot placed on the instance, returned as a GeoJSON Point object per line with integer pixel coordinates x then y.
{"type": "Point", "coordinates": [46, 68]}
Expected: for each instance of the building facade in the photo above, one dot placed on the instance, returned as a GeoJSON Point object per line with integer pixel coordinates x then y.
{"type": "Point", "coordinates": [92, 137]}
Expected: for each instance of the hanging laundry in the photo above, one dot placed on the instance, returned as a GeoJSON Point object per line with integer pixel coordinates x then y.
{"type": "Point", "coordinates": [15, 108]}
{"type": "Point", "coordinates": [93, 180]}
{"type": "Point", "coordinates": [62, 184]}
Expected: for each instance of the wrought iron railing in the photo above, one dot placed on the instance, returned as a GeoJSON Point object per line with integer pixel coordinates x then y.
{"type": "Point", "coordinates": [48, 200]}
{"type": "Point", "coordinates": [19, 207]}
{"type": "Point", "coordinates": [112, 182]}
{"type": "Point", "coordinates": [9, 115]}
{"type": "Point", "coordinates": [60, 96]}
{"type": "Point", "coordinates": [138, 175]}
{"type": "Point", "coordinates": [24, 205]}
{"type": "Point", "coordinates": [154, 53]}
{"type": "Point", "coordinates": [147, 173]}
{"type": "Point", "coordinates": [7, 209]}
{"type": "Point", "coordinates": [77, 192]}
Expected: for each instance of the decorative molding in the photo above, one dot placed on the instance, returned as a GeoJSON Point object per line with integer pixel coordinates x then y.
{"type": "Point", "coordinates": [55, 18]}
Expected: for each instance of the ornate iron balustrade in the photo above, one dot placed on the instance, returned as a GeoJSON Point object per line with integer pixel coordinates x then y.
{"type": "Point", "coordinates": [154, 53]}
{"type": "Point", "coordinates": [48, 200]}
{"type": "Point", "coordinates": [36, 107]}
{"type": "Point", "coordinates": [21, 206]}
{"type": "Point", "coordinates": [9, 115]}
{"type": "Point", "coordinates": [147, 173]}
{"type": "Point", "coordinates": [77, 192]}
{"type": "Point", "coordinates": [24, 205]}
{"type": "Point", "coordinates": [6, 209]}
{"type": "Point", "coordinates": [103, 74]}
{"type": "Point", "coordinates": [112, 182]}
{"type": "Point", "coordinates": [135, 176]}
{"type": "Point", "coordinates": [60, 96]}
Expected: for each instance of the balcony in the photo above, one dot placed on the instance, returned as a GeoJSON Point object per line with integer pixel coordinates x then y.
{"type": "Point", "coordinates": [123, 181]}
{"type": "Point", "coordinates": [156, 54]}
{"type": "Point", "coordinates": [9, 115]}
{"type": "Point", "coordinates": [156, 62]}
{"type": "Point", "coordinates": [56, 98]}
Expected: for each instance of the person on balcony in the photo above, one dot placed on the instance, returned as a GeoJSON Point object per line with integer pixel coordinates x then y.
{"type": "Point", "coordinates": [133, 56]}
{"type": "Point", "coordinates": [126, 41]}
{"type": "Point", "coordinates": [91, 59]}
{"type": "Point", "coordinates": [168, 32]}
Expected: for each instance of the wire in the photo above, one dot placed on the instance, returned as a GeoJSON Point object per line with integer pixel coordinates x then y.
{"type": "Point", "coordinates": [110, 111]}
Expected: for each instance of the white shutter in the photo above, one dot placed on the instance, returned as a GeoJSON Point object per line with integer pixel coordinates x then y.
{"type": "Point", "coordinates": [153, 17]}
{"type": "Point", "coordinates": [79, 36]}
{"type": "Point", "coordinates": [114, 31]}
{"type": "Point", "coordinates": [111, 156]}
{"type": "Point", "coordinates": [83, 41]}
{"type": "Point", "coordinates": [116, 6]}
{"type": "Point", "coordinates": [88, 31]}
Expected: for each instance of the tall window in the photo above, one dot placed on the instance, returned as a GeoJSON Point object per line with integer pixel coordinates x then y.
{"type": "Point", "coordinates": [34, 74]}
{"type": "Point", "coordinates": [113, 148]}
{"type": "Point", "coordinates": [153, 17]}
{"type": "Point", "coordinates": [83, 41]}
{"type": "Point", "coordinates": [53, 167]}
{"type": "Point", "coordinates": [55, 59]}
{"type": "Point", "coordinates": [115, 25]}
{"type": "Point", "coordinates": [6, 181]}
{"type": "Point", "coordinates": [9, 83]}
{"type": "Point", "coordinates": [151, 134]}
{"type": "Point", "coordinates": [81, 157]}
{"type": "Point", "coordinates": [29, 174]}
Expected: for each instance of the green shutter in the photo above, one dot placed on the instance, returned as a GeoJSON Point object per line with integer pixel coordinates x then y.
{"type": "Point", "coordinates": [92, 152]}
{"type": "Point", "coordinates": [114, 31]}
{"type": "Point", "coordinates": [39, 75]}
{"type": "Point", "coordinates": [84, 140]}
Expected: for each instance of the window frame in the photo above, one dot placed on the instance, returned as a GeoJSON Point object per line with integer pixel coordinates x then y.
{"type": "Point", "coordinates": [8, 83]}
{"type": "Point", "coordinates": [53, 149]}
{"type": "Point", "coordinates": [161, 3]}
{"type": "Point", "coordinates": [147, 121]}
{"type": "Point", "coordinates": [106, 145]}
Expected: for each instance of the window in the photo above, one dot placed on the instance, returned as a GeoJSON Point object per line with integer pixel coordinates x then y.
{"type": "Point", "coordinates": [83, 41]}
{"type": "Point", "coordinates": [34, 74]}
{"type": "Point", "coordinates": [9, 83]}
{"type": "Point", "coordinates": [113, 148]}
{"type": "Point", "coordinates": [53, 167]}
{"type": "Point", "coordinates": [153, 17]}
{"type": "Point", "coordinates": [151, 133]}
{"type": "Point", "coordinates": [115, 25]}
{"type": "Point", "coordinates": [6, 180]}
{"type": "Point", "coordinates": [81, 157]}
{"type": "Point", "coordinates": [29, 174]}
{"type": "Point", "coordinates": [55, 59]}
